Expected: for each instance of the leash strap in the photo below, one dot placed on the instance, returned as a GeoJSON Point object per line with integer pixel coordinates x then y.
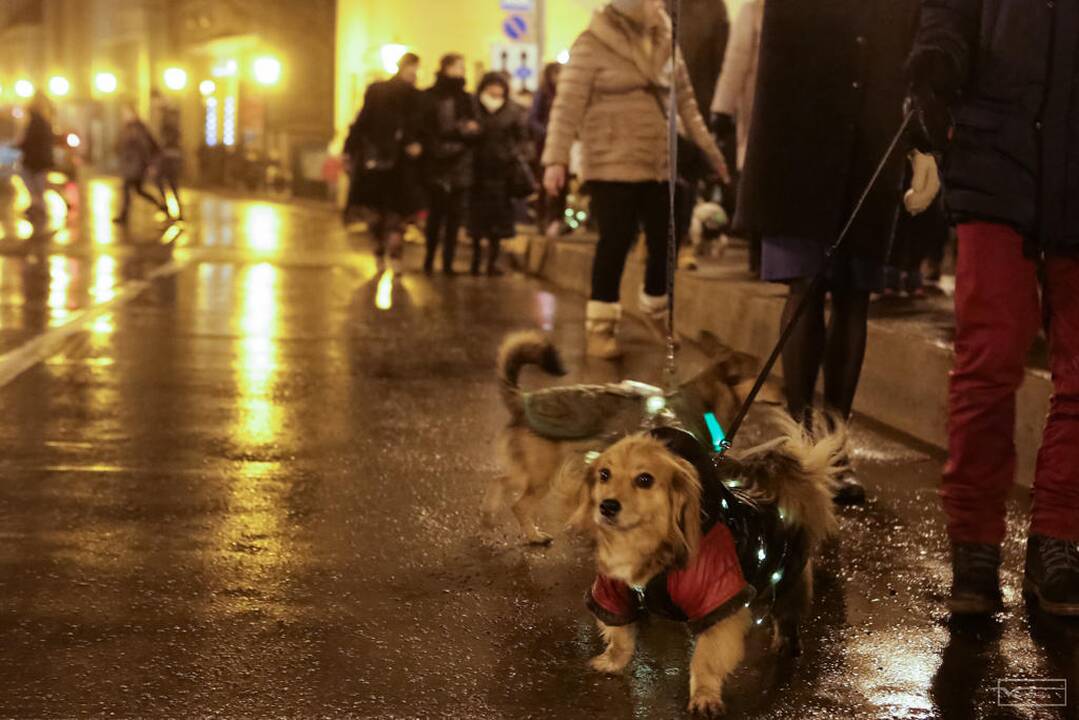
{"type": "Point", "coordinates": [818, 282]}
{"type": "Point", "coordinates": [672, 184]}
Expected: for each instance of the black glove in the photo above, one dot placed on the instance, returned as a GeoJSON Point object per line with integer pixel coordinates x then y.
{"type": "Point", "coordinates": [725, 132]}
{"type": "Point", "coordinates": [933, 88]}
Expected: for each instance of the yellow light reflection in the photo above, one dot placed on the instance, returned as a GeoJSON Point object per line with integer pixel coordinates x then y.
{"type": "Point", "coordinates": [101, 202]}
{"type": "Point", "coordinates": [59, 286]}
{"type": "Point", "coordinates": [24, 229]}
{"type": "Point", "coordinates": [20, 195]}
{"type": "Point", "coordinates": [262, 223]}
{"type": "Point", "coordinates": [384, 293]}
{"type": "Point", "coordinates": [261, 418]}
{"type": "Point", "coordinates": [104, 288]}
{"type": "Point", "coordinates": [55, 208]}
{"type": "Point", "coordinates": [104, 325]}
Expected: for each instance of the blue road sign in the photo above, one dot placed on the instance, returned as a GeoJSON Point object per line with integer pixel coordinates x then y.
{"type": "Point", "coordinates": [515, 27]}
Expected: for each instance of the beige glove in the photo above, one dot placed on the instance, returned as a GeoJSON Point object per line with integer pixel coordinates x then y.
{"type": "Point", "coordinates": [924, 183]}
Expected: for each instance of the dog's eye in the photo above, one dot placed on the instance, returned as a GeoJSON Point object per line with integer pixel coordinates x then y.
{"type": "Point", "coordinates": [604, 475]}
{"type": "Point", "coordinates": [644, 481]}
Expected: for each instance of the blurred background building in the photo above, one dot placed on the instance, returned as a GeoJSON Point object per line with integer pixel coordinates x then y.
{"type": "Point", "coordinates": [251, 80]}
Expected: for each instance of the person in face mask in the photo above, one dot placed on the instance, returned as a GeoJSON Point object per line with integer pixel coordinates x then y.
{"type": "Point", "coordinates": [449, 128]}
{"type": "Point", "coordinates": [500, 152]}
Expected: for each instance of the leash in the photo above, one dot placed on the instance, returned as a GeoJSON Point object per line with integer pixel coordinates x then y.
{"type": "Point", "coordinates": [817, 284]}
{"type": "Point", "coordinates": [672, 185]}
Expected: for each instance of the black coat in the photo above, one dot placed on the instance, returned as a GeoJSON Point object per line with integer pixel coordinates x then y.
{"type": "Point", "coordinates": [1014, 157]}
{"type": "Point", "coordinates": [37, 143]}
{"type": "Point", "coordinates": [383, 177]}
{"type": "Point", "coordinates": [830, 92]}
{"type": "Point", "coordinates": [500, 147]}
{"type": "Point", "coordinates": [446, 140]}
{"type": "Point", "coordinates": [704, 30]}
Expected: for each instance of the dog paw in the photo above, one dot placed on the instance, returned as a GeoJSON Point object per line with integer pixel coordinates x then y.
{"type": "Point", "coordinates": [538, 537]}
{"type": "Point", "coordinates": [704, 704]}
{"type": "Point", "coordinates": [606, 664]}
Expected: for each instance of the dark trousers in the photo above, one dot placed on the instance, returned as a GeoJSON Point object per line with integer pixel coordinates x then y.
{"type": "Point", "coordinates": [998, 314]}
{"type": "Point", "coordinates": [135, 185]}
{"type": "Point", "coordinates": [446, 210]}
{"type": "Point", "coordinates": [621, 209]}
{"type": "Point", "coordinates": [168, 176]}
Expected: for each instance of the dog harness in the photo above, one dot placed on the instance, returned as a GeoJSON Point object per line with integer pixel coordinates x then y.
{"type": "Point", "coordinates": [748, 555]}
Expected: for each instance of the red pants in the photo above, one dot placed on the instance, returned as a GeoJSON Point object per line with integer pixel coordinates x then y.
{"type": "Point", "coordinates": [998, 315]}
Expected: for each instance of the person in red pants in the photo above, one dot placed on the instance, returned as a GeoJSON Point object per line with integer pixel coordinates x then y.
{"type": "Point", "coordinates": [992, 83]}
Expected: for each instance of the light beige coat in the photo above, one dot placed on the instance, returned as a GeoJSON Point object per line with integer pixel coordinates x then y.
{"type": "Point", "coordinates": [737, 84]}
{"type": "Point", "coordinates": [609, 96]}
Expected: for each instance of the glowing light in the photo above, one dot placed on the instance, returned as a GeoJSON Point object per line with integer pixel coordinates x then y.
{"type": "Point", "coordinates": [106, 83]}
{"type": "Point", "coordinates": [228, 122]}
{"type": "Point", "coordinates": [24, 229]}
{"type": "Point", "coordinates": [207, 87]}
{"type": "Point", "coordinates": [175, 78]}
{"type": "Point", "coordinates": [384, 293]}
{"type": "Point", "coordinates": [263, 227]}
{"type": "Point", "coordinates": [73, 140]}
{"type": "Point", "coordinates": [101, 198]}
{"type": "Point", "coordinates": [225, 69]}
{"type": "Point", "coordinates": [104, 288]}
{"type": "Point", "coordinates": [723, 504]}
{"type": "Point", "coordinates": [777, 576]}
{"type": "Point", "coordinates": [761, 554]}
{"type": "Point", "coordinates": [563, 56]}
{"type": "Point", "coordinates": [59, 86]}
{"type": "Point", "coordinates": [759, 620]}
{"type": "Point", "coordinates": [24, 88]}
{"type": "Point", "coordinates": [715, 430]}
{"type": "Point", "coordinates": [258, 362]}
{"type": "Point", "coordinates": [211, 122]}
{"type": "Point", "coordinates": [59, 284]}
{"type": "Point", "coordinates": [391, 55]}
{"type": "Point", "coordinates": [655, 404]}
{"type": "Point", "coordinates": [591, 456]}
{"type": "Point", "coordinates": [267, 70]}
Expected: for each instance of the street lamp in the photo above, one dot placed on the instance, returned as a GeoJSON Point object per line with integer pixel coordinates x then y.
{"type": "Point", "coordinates": [267, 70]}
{"type": "Point", "coordinates": [106, 83]}
{"type": "Point", "coordinates": [24, 88]}
{"type": "Point", "coordinates": [391, 55]}
{"type": "Point", "coordinates": [59, 86]}
{"type": "Point", "coordinates": [175, 78]}
{"type": "Point", "coordinates": [207, 88]}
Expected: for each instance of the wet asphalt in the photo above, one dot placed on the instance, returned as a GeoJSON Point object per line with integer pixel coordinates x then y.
{"type": "Point", "coordinates": [243, 481]}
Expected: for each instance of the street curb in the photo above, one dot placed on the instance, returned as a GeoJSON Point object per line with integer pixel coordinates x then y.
{"type": "Point", "coordinates": [905, 380]}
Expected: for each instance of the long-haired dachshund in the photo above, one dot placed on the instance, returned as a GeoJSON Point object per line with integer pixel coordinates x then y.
{"type": "Point", "coordinates": [706, 540]}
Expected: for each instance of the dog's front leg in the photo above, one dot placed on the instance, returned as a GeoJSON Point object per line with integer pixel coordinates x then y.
{"type": "Point", "coordinates": [719, 650]}
{"type": "Point", "coordinates": [621, 642]}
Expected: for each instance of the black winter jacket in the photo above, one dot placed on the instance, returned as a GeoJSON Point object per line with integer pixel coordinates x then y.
{"type": "Point", "coordinates": [447, 141]}
{"type": "Point", "coordinates": [830, 92]}
{"type": "Point", "coordinates": [37, 144]}
{"type": "Point", "coordinates": [1014, 67]}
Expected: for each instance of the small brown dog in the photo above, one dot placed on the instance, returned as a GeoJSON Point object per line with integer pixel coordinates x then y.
{"type": "Point", "coordinates": [706, 540]}
{"type": "Point", "coordinates": [550, 426]}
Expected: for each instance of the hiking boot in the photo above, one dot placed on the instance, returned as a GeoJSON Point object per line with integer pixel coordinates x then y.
{"type": "Point", "coordinates": [975, 579]}
{"type": "Point", "coordinates": [1052, 574]}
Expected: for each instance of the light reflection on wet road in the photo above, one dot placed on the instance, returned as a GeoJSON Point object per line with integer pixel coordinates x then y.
{"type": "Point", "coordinates": [252, 488]}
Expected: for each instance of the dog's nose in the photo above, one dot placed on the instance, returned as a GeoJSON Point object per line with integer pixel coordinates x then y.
{"type": "Point", "coordinates": [609, 507]}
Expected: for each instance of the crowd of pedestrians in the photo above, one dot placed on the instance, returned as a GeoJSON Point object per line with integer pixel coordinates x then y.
{"type": "Point", "coordinates": [808, 100]}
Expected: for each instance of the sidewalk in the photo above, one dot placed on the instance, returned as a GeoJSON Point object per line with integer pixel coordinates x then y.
{"type": "Point", "coordinates": [905, 380]}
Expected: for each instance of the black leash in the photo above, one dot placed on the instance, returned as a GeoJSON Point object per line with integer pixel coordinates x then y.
{"type": "Point", "coordinates": [672, 189]}
{"type": "Point", "coordinates": [818, 282]}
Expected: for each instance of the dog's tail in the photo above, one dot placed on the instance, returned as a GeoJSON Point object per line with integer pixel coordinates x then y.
{"type": "Point", "coordinates": [518, 350]}
{"type": "Point", "coordinates": [800, 471]}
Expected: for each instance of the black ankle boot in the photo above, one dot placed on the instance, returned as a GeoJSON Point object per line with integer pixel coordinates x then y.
{"type": "Point", "coordinates": [975, 579]}
{"type": "Point", "coordinates": [1052, 574]}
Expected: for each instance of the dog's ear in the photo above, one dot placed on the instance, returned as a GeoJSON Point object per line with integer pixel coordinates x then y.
{"type": "Point", "coordinates": [581, 498]}
{"type": "Point", "coordinates": [685, 520]}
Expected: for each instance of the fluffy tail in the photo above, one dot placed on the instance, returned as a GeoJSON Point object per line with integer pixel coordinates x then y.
{"type": "Point", "coordinates": [518, 350]}
{"type": "Point", "coordinates": [800, 471]}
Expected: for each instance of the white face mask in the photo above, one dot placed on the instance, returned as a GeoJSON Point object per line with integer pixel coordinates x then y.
{"type": "Point", "coordinates": [492, 103]}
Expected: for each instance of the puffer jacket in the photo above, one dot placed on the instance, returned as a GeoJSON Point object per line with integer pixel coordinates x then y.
{"type": "Point", "coordinates": [612, 94]}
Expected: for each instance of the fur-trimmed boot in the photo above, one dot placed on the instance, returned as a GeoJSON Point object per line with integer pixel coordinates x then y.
{"type": "Point", "coordinates": [654, 309]}
{"type": "Point", "coordinates": [601, 325]}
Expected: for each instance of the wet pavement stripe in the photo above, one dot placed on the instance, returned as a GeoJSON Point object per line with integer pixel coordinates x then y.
{"type": "Point", "coordinates": [38, 349]}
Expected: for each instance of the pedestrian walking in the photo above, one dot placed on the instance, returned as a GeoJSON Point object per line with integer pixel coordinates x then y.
{"type": "Point", "coordinates": [449, 130]}
{"type": "Point", "coordinates": [1006, 71]}
{"type": "Point", "coordinates": [551, 209]}
{"type": "Point", "coordinates": [829, 101]}
{"type": "Point", "coordinates": [502, 173]}
{"type": "Point", "coordinates": [170, 161]}
{"type": "Point", "coordinates": [614, 93]}
{"type": "Point", "coordinates": [37, 145]}
{"type": "Point", "coordinates": [138, 152]}
{"type": "Point", "coordinates": [732, 105]}
{"type": "Point", "coordinates": [382, 149]}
